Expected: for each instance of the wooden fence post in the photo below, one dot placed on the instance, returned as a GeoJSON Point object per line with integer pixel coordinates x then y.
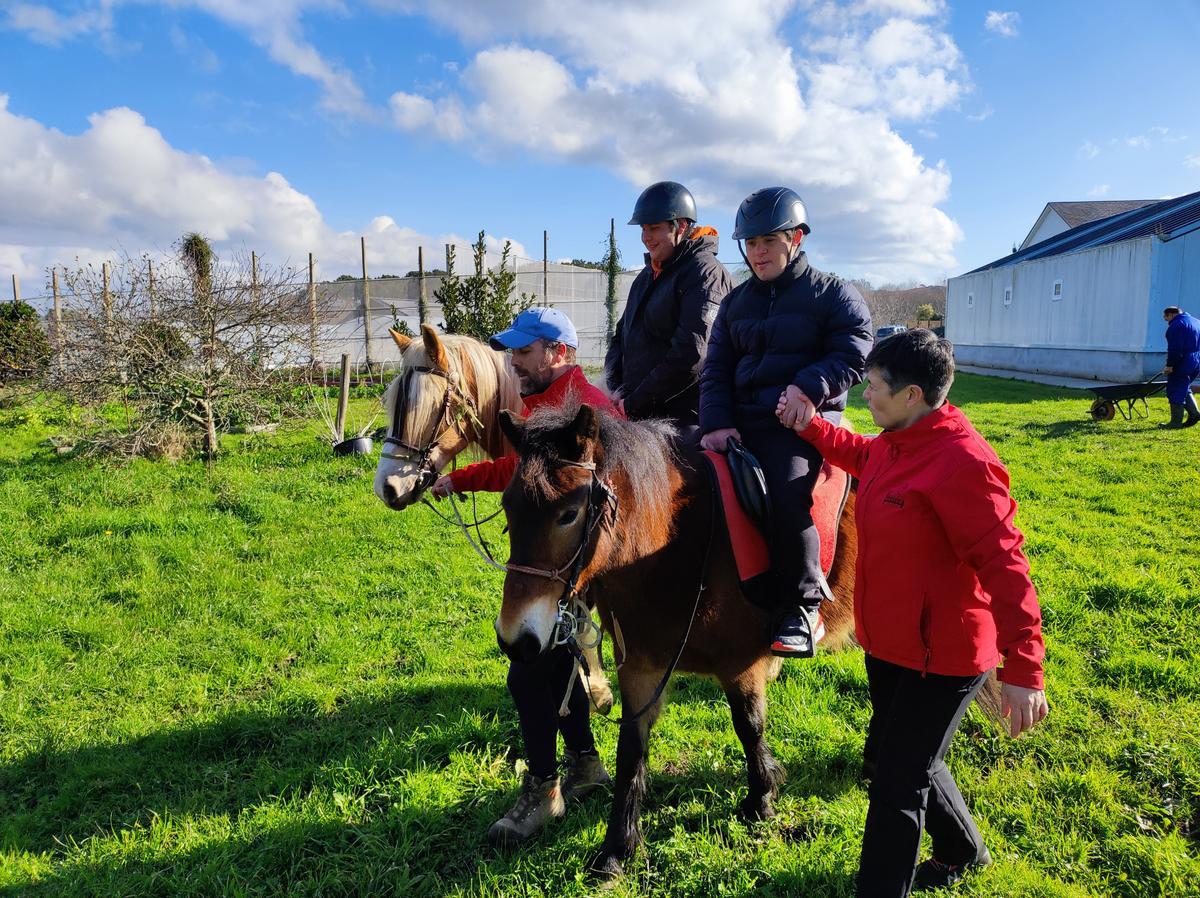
{"type": "Point", "coordinates": [16, 289]}
{"type": "Point", "coordinates": [106, 296]}
{"type": "Point", "coordinates": [150, 288]}
{"type": "Point", "coordinates": [343, 399]}
{"type": "Point", "coordinates": [57, 315]}
{"type": "Point", "coordinates": [421, 296]}
{"type": "Point", "coordinates": [366, 302]}
{"type": "Point", "coordinates": [312, 308]}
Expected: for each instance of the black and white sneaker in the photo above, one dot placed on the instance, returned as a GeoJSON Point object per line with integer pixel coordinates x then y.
{"type": "Point", "coordinates": [798, 634]}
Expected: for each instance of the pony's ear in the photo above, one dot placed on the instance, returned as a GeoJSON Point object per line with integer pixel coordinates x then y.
{"type": "Point", "coordinates": [434, 348]}
{"type": "Point", "coordinates": [513, 428]}
{"type": "Point", "coordinates": [402, 340]}
{"type": "Point", "coordinates": [582, 441]}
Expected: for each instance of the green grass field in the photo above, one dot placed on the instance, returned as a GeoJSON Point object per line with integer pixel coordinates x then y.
{"type": "Point", "coordinates": [256, 680]}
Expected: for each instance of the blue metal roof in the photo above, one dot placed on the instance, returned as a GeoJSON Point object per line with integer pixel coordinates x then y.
{"type": "Point", "coordinates": [1167, 219]}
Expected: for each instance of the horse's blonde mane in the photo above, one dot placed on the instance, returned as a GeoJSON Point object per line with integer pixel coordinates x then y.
{"type": "Point", "coordinates": [483, 375]}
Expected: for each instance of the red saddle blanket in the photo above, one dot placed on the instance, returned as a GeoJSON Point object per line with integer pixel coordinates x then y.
{"type": "Point", "coordinates": [749, 546]}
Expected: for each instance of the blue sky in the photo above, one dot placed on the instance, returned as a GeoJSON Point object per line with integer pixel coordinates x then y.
{"type": "Point", "coordinates": [926, 136]}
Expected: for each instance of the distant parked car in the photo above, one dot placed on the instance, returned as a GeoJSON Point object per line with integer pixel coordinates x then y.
{"type": "Point", "coordinates": [889, 330]}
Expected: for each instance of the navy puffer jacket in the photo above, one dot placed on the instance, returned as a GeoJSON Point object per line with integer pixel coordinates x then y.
{"type": "Point", "coordinates": [656, 354]}
{"type": "Point", "coordinates": [806, 328]}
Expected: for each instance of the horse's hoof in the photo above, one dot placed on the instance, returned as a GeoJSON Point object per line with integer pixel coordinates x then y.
{"type": "Point", "coordinates": [757, 809]}
{"type": "Point", "coordinates": [605, 867]}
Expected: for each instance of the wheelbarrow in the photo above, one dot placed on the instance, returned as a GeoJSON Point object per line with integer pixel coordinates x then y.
{"type": "Point", "coordinates": [1124, 398]}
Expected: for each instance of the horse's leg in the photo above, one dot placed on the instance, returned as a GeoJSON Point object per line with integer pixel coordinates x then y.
{"type": "Point", "coordinates": [748, 705]}
{"type": "Point", "coordinates": [624, 833]}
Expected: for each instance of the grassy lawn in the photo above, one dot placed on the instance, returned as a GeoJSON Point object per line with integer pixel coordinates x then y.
{"type": "Point", "coordinates": [256, 680]}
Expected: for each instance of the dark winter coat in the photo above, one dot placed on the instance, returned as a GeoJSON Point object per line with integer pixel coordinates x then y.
{"type": "Point", "coordinates": [657, 352]}
{"type": "Point", "coordinates": [805, 327]}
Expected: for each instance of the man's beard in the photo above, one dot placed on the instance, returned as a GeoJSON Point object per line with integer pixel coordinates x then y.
{"type": "Point", "coordinates": [536, 382]}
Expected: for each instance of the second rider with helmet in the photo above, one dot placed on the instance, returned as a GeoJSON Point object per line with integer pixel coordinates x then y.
{"type": "Point", "coordinates": [788, 331]}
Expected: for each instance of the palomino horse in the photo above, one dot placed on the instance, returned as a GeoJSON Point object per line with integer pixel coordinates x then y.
{"type": "Point", "coordinates": [645, 558]}
{"type": "Point", "coordinates": [448, 396]}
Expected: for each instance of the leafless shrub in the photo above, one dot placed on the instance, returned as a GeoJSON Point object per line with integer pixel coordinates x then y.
{"type": "Point", "coordinates": [168, 358]}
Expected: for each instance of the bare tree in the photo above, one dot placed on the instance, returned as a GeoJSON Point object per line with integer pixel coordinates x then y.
{"type": "Point", "coordinates": [190, 348]}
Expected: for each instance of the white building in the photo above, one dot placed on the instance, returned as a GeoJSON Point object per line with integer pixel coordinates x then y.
{"type": "Point", "coordinates": [1086, 302]}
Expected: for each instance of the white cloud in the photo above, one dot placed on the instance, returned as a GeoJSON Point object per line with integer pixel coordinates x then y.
{"type": "Point", "coordinates": [718, 97]}
{"type": "Point", "coordinates": [1192, 161]}
{"type": "Point", "coordinates": [1003, 23]}
{"type": "Point", "coordinates": [47, 26]}
{"type": "Point", "coordinates": [718, 100]}
{"type": "Point", "coordinates": [1089, 150]}
{"type": "Point", "coordinates": [982, 115]}
{"type": "Point", "coordinates": [274, 25]}
{"type": "Point", "coordinates": [120, 185]}
{"type": "Point", "coordinates": [1098, 191]}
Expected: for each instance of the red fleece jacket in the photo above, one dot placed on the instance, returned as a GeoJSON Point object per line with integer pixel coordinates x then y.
{"type": "Point", "coordinates": [493, 476]}
{"type": "Point", "coordinates": [941, 583]}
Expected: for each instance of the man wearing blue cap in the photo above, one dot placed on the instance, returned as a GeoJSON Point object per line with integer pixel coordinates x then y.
{"type": "Point", "coordinates": [542, 343]}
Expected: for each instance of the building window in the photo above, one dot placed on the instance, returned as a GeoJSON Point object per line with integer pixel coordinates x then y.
{"type": "Point", "coordinates": [970, 300]}
{"type": "Point", "coordinates": [1008, 296]}
{"type": "Point", "coordinates": [1057, 293]}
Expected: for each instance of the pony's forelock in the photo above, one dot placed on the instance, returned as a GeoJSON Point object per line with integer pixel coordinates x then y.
{"type": "Point", "coordinates": [640, 452]}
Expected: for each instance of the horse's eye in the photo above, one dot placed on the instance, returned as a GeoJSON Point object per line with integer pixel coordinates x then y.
{"type": "Point", "coordinates": [568, 517]}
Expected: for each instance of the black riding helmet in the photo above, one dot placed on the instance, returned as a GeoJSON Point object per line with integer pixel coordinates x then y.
{"type": "Point", "coordinates": [769, 210]}
{"type": "Point", "coordinates": [664, 201]}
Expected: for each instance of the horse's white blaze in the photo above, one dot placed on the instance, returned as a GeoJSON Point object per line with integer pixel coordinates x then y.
{"type": "Point", "coordinates": [537, 618]}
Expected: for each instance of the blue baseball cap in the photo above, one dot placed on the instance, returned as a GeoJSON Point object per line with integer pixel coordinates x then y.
{"type": "Point", "coordinates": [538, 323]}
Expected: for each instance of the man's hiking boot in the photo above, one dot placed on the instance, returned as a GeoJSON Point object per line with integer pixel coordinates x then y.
{"type": "Point", "coordinates": [540, 802]}
{"type": "Point", "coordinates": [584, 772]}
{"type": "Point", "coordinates": [933, 874]}
{"type": "Point", "coordinates": [798, 633]}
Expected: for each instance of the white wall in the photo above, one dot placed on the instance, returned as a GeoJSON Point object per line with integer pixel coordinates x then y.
{"type": "Point", "coordinates": [1049, 224]}
{"type": "Point", "coordinates": [1098, 327]}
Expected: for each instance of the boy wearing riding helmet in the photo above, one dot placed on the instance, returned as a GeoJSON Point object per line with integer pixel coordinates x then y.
{"type": "Point", "coordinates": [788, 330]}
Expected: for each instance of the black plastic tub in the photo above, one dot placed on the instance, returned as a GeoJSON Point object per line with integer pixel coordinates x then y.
{"type": "Point", "coordinates": [354, 446]}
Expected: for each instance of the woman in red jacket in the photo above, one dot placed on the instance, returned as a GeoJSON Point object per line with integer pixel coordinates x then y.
{"type": "Point", "coordinates": [942, 595]}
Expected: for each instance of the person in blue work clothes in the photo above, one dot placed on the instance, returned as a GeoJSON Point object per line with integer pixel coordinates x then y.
{"type": "Point", "coordinates": [1183, 366]}
{"type": "Point", "coordinates": [788, 332]}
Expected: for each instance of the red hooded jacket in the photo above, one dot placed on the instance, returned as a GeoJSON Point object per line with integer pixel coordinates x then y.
{"type": "Point", "coordinates": [941, 583]}
{"type": "Point", "coordinates": [493, 476]}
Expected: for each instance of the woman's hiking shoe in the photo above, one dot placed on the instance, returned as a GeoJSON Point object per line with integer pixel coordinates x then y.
{"type": "Point", "coordinates": [540, 802]}
{"type": "Point", "coordinates": [798, 634]}
{"type": "Point", "coordinates": [933, 874]}
{"type": "Point", "coordinates": [584, 772]}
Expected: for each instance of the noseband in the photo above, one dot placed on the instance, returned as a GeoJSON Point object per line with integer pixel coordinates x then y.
{"type": "Point", "coordinates": [420, 455]}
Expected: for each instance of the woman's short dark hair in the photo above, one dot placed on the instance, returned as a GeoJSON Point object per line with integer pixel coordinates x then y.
{"type": "Point", "coordinates": [1172, 310]}
{"type": "Point", "coordinates": [915, 357]}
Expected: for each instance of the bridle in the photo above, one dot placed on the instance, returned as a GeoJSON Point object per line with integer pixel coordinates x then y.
{"type": "Point", "coordinates": [421, 455]}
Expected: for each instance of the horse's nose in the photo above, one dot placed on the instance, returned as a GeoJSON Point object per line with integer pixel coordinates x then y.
{"type": "Point", "coordinates": [389, 493]}
{"type": "Point", "coordinates": [525, 649]}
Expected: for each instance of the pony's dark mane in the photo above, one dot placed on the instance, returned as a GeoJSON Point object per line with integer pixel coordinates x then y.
{"type": "Point", "coordinates": [641, 452]}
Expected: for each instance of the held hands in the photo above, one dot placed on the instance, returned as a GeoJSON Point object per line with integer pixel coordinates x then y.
{"type": "Point", "coordinates": [795, 410]}
{"type": "Point", "coordinates": [442, 487]}
{"type": "Point", "coordinates": [1023, 707]}
{"type": "Point", "coordinates": [715, 440]}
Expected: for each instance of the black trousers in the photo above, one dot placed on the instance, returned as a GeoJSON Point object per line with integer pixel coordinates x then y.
{"type": "Point", "coordinates": [913, 719]}
{"type": "Point", "coordinates": [537, 689]}
{"type": "Point", "coordinates": [791, 466]}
